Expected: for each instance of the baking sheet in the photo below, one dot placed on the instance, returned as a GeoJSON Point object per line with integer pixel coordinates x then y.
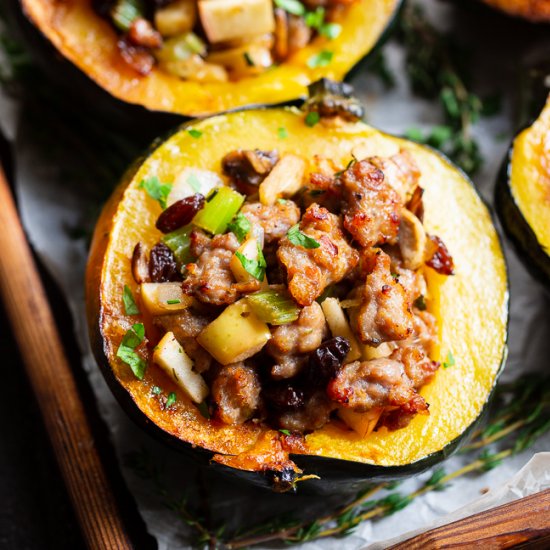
{"type": "Point", "coordinates": [56, 188]}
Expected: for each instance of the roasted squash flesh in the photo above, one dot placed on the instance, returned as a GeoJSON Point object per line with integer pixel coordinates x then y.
{"type": "Point", "coordinates": [534, 10]}
{"type": "Point", "coordinates": [89, 43]}
{"type": "Point", "coordinates": [471, 306]}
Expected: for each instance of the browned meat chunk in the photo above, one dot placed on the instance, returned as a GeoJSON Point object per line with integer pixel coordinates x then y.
{"type": "Point", "coordinates": [314, 414]}
{"type": "Point", "coordinates": [210, 279]}
{"type": "Point", "coordinates": [186, 326]}
{"type": "Point", "coordinates": [323, 188]}
{"type": "Point", "coordinates": [418, 367]}
{"type": "Point", "coordinates": [400, 417]}
{"type": "Point", "coordinates": [385, 312]}
{"type": "Point", "coordinates": [371, 206]}
{"type": "Point", "coordinates": [290, 342]}
{"type": "Point", "coordinates": [400, 171]}
{"type": "Point", "coordinates": [236, 392]}
{"type": "Point", "coordinates": [361, 386]}
{"type": "Point", "coordinates": [247, 169]}
{"type": "Point", "coordinates": [275, 220]}
{"type": "Point", "coordinates": [311, 270]}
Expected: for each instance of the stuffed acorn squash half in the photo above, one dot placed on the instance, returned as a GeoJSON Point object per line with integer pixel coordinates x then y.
{"type": "Point", "coordinates": [533, 10]}
{"type": "Point", "coordinates": [523, 196]}
{"type": "Point", "coordinates": [299, 297]}
{"type": "Point", "coordinates": [199, 57]}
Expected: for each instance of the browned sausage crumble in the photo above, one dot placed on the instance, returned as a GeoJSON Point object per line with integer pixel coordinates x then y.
{"type": "Point", "coordinates": [310, 306]}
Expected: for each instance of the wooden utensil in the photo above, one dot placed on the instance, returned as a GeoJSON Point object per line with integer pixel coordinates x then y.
{"type": "Point", "coordinates": [520, 524]}
{"type": "Point", "coordinates": [54, 386]}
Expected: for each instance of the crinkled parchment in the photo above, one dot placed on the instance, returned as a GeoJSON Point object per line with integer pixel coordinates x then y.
{"type": "Point", "coordinates": [50, 202]}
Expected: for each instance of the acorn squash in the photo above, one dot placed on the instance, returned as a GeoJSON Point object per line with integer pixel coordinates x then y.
{"type": "Point", "coordinates": [533, 10]}
{"type": "Point", "coordinates": [523, 196]}
{"type": "Point", "coordinates": [90, 44]}
{"type": "Point", "coordinates": [471, 308]}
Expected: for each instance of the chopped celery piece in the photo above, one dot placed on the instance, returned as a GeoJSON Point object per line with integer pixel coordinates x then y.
{"type": "Point", "coordinates": [275, 307]}
{"type": "Point", "coordinates": [219, 210]}
{"type": "Point", "coordinates": [179, 243]}
{"type": "Point", "coordinates": [125, 12]}
{"type": "Point", "coordinates": [181, 48]}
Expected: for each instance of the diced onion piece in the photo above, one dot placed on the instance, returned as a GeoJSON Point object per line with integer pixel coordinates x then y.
{"type": "Point", "coordinates": [178, 17]}
{"type": "Point", "coordinates": [171, 357]}
{"type": "Point", "coordinates": [361, 423]}
{"type": "Point", "coordinates": [229, 19]}
{"type": "Point", "coordinates": [164, 298]}
{"type": "Point", "coordinates": [243, 61]}
{"type": "Point", "coordinates": [371, 352]}
{"type": "Point", "coordinates": [235, 335]}
{"type": "Point", "coordinates": [219, 210]}
{"type": "Point", "coordinates": [191, 181]}
{"type": "Point", "coordinates": [412, 240]}
{"type": "Point", "coordinates": [284, 180]}
{"type": "Point", "coordinates": [275, 307]}
{"type": "Point", "coordinates": [249, 249]}
{"type": "Point", "coordinates": [339, 326]}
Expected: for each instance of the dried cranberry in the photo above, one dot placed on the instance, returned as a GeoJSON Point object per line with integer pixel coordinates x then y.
{"type": "Point", "coordinates": [247, 169]}
{"type": "Point", "coordinates": [325, 361]}
{"type": "Point", "coordinates": [180, 213]}
{"type": "Point", "coordinates": [284, 396]}
{"type": "Point", "coordinates": [162, 265]}
{"type": "Point", "coordinates": [440, 260]}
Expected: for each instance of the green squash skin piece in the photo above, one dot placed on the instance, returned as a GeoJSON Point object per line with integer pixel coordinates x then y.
{"type": "Point", "coordinates": [530, 252]}
{"type": "Point", "coordinates": [337, 476]}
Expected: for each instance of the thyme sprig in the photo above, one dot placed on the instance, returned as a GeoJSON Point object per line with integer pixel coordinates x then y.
{"type": "Point", "coordinates": [435, 67]}
{"type": "Point", "coordinates": [520, 415]}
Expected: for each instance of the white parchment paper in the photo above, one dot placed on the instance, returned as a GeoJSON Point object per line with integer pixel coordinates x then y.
{"type": "Point", "coordinates": [51, 201]}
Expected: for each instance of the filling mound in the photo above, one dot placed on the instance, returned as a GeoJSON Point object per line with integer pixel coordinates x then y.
{"type": "Point", "coordinates": [290, 291]}
{"type": "Point", "coordinates": [219, 40]}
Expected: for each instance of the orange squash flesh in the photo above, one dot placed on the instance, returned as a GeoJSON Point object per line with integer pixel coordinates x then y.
{"type": "Point", "coordinates": [471, 307]}
{"type": "Point", "coordinates": [89, 42]}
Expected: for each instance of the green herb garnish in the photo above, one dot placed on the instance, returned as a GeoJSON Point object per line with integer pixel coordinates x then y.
{"type": "Point", "coordinates": [420, 303]}
{"type": "Point", "coordinates": [256, 267]}
{"type": "Point", "coordinates": [194, 133]}
{"type": "Point", "coordinates": [291, 6]}
{"type": "Point", "coordinates": [170, 400]}
{"type": "Point", "coordinates": [130, 306]}
{"type": "Point", "coordinates": [450, 361]}
{"type": "Point", "coordinates": [203, 409]}
{"type": "Point", "coordinates": [330, 30]}
{"type": "Point", "coordinates": [248, 59]}
{"type": "Point", "coordinates": [156, 190]}
{"type": "Point", "coordinates": [126, 351]}
{"type": "Point", "coordinates": [312, 118]}
{"type": "Point", "coordinates": [156, 390]}
{"type": "Point", "coordinates": [295, 236]}
{"type": "Point", "coordinates": [240, 226]}
{"type": "Point", "coordinates": [173, 302]}
{"type": "Point", "coordinates": [282, 132]}
{"type": "Point", "coordinates": [285, 432]}
{"type": "Point", "coordinates": [315, 19]}
{"type": "Point", "coordinates": [321, 59]}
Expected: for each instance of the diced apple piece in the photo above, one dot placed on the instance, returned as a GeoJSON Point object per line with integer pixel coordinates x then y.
{"type": "Point", "coordinates": [243, 61]}
{"type": "Point", "coordinates": [249, 249]}
{"type": "Point", "coordinates": [229, 19]}
{"type": "Point", "coordinates": [191, 181]}
{"type": "Point", "coordinates": [361, 423]}
{"type": "Point", "coordinates": [178, 17]}
{"type": "Point", "coordinates": [284, 180]}
{"type": "Point", "coordinates": [371, 352]}
{"type": "Point", "coordinates": [412, 240]}
{"type": "Point", "coordinates": [171, 357]}
{"type": "Point", "coordinates": [164, 298]}
{"type": "Point", "coordinates": [235, 335]}
{"type": "Point", "coordinates": [339, 326]}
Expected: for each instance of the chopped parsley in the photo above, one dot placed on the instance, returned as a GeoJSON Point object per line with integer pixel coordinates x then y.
{"type": "Point", "coordinates": [282, 201]}
{"type": "Point", "coordinates": [420, 303]}
{"type": "Point", "coordinates": [130, 306]}
{"type": "Point", "coordinates": [321, 59]}
{"type": "Point", "coordinates": [173, 302]}
{"type": "Point", "coordinates": [330, 30]}
{"type": "Point", "coordinates": [282, 132]}
{"type": "Point", "coordinates": [194, 133]}
{"type": "Point", "coordinates": [450, 361]}
{"type": "Point", "coordinates": [126, 351]}
{"type": "Point", "coordinates": [171, 399]}
{"type": "Point", "coordinates": [312, 118]}
{"type": "Point", "coordinates": [286, 432]}
{"type": "Point", "coordinates": [291, 6]}
{"type": "Point", "coordinates": [315, 19]}
{"type": "Point", "coordinates": [203, 409]}
{"type": "Point", "coordinates": [156, 390]}
{"type": "Point", "coordinates": [256, 268]}
{"type": "Point", "coordinates": [295, 236]}
{"type": "Point", "coordinates": [248, 59]}
{"type": "Point", "coordinates": [241, 226]}
{"type": "Point", "coordinates": [156, 190]}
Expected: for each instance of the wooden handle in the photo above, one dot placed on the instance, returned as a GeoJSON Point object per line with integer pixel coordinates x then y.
{"type": "Point", "coordinates": [53, 384]}
{"type": "Point", "coordinates": [522, 523]}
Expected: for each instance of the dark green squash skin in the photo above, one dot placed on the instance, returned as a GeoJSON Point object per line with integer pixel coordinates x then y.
{"type": "Point", "coordinates": [336, 476]}
{"type": "Point", "coordinates": [115, 112]}
{"type": "Point", "coordinates": [533, 256]}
